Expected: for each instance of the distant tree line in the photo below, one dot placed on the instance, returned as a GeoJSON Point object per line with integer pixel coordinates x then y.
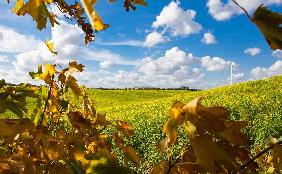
{"type": "Point", "coordinates": [149, 88]}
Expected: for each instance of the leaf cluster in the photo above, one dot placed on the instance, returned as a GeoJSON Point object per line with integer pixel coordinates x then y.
{"type": "Point", "coordinates": [214, 143]}
{"type": "Point", "coordinates": [46, 146]}
{"type": "Point", "coordinates": [40, 12]}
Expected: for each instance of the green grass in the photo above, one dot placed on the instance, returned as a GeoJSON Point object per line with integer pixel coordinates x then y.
{"type": "Point", "coordinates": [258, 102]}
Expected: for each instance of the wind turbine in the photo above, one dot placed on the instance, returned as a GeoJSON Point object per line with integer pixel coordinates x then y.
{"type": "Point", "coordinates": [231, 73]}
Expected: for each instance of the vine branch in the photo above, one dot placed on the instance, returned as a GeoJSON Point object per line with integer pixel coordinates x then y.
{"type": "Point", "coordinates": [245, 11]}
{"type": "Point", "coordinates": [242, 167]}
{"type": "Point", "coordinates": [46, 103]}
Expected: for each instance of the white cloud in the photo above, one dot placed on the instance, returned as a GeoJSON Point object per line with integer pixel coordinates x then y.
{"type": "Point", "coordinates": [102, 55]}
{"type": "Point", "coordinates": [238, 76]}
{"type": "Point", "coordinates": [208, 38]}
{"type": "Point", "coordinates": [106, 64]}
{"type": "Point", "coordinates": [215, 63]}
{"type": "Point", "coordinates": [4, 58]}
{"type": "Point", "coordinates": [177, 21]}
{"type": "Point", "coordinates": [252, 51]}
{"type": "Point", "coordinates": [14, 42]}
{"type": "Point", "coordinates": [135, 43]}
{"type": "Point", "coordinates": [121, 79]}
{"type": "Point", "coordinates": [277, 53]}
{"type": "Point", "coordinates": [69, 45]}
{"type": "Point", "coordinates": [170, 62]}
{"type": "Point", "coordinates": [274, 69]}
{"type": "Point", "coordinates": [173, 20]}
{"type": "Point", "coordinates": [155, 38]}
{"type": "Point", "coordinates": [152, 39]}
{"type": "Point", "coordinates": [222, 11]}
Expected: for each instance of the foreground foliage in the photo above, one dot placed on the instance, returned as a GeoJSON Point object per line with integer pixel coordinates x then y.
{"type": "Point", "coordinates": [45, 144]}
{"type": "Point", "coordinates": [69, 137]}
{"type": "Point", "coordinates": [63, 136]}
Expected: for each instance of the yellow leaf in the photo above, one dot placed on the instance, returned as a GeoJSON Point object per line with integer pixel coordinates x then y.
{"type": "Point", "coordinates": [190, 129]}
{"type": "Point", "coordinates": [50, 46]}
{"type": "Point", "coordinates": [48, 73]}
{"type": "Point", "coordinates": [94, 18]}
{"type": "Point", "coordinates": [18, 6]}
{"type": "Point", "coordinates": [37, 10]}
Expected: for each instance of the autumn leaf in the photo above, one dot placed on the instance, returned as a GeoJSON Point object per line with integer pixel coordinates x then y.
{"type": "Point", "coordinates": [49, 71]}
{"type": "Point", "coordinates": [235, 137]}
{"type": "Point", "coordinates": [50, 46]}
{"type": "Point", "coordinates": [71, 82]}
{"type": "Point", "coordinates": [78, 121]}
{"type": "Point", "coordinates": [176, 112]}
{"type": "Point", "coordinates": [132, 154]}
{"type": "Point", "coordinates": [269, 23]}
{"type": "Point", "coordinates": [12, 127]}
{"type": "Point", "coordinates": [160, 168]}
{"type": "Point", "coordinates": [37, 9]}
{"type": "Point", "coordinates": [195, 107]}
{"type": "Point", "coordinates": [126, 129]}
{"type": "Point", "coordinates": [93, 16]}
{"type": "Point", "coordinates": [208, 154]}
{"type": "Point", "coordinates": [190, 129]}
{"type": "Point", "coordinates": [67, 79]}
{"type": "Point", "coordinates": [277, 157]}
{"type": "Point", "coordinates": [18, 6]}
{"type": "Point", "coordinates": [101, 120]}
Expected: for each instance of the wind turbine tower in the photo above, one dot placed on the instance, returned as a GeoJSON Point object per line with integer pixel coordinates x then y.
{"type": "Point", "coordinates": [231, 73]}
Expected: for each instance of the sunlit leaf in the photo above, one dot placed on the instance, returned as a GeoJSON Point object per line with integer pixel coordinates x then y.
{"type": "Point", "coordinates": [50, 46]}
{"type": "Point", "coordinates": [93, 16]}
{"type": "Point", "coordinates": [269, 23]}
{"type": "Point", "coordinates": [125, 128]}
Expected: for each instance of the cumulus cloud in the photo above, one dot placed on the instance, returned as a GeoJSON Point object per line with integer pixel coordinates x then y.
{"type": "Point", "coordinates": [173, 20]}
{"type": "Point", "coordinates": [30, 52]}
{"type": "Point", "coordinates": [170, 62]}
{"type": "Point", "coordinates": [152, 39]}
{"type": "Point", "coordinates": [221, 10]}
{"type": "Point", "coordinates": [13, 41]}
{"type": "Point", "coordinates": [238, 77]}
{"type": "Point", "coordinates": [252, 51]}
{"type": "Point", "coordinates": [155, 38]}
{"type": "Point", "coordinates": [215, 63]}
{"type": "Point", "coordinates": [277, 53]}
{"type": "Point", "coordinates": [208, 38]}
{"type": "Point", "coordinates": [106, 64]}
{"type": "Point", "coordinates": [177, 21]}
{"type": "Point", "coordinates": [121, 78]}
{"type": "Point", "coordinates": [4, 58]}
{"type": "Point", "coordinates": [274, 69]}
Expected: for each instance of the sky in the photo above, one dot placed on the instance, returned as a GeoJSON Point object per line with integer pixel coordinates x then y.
{"type": "Point", "coordinates": [166, 44]}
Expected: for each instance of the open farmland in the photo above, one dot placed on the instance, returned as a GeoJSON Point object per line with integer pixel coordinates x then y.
{"type": "Point", "coordinates": [258, 102]}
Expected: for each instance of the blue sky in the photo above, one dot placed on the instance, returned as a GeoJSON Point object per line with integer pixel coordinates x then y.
{"type": "Point", "coordinates": [167, 44]}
